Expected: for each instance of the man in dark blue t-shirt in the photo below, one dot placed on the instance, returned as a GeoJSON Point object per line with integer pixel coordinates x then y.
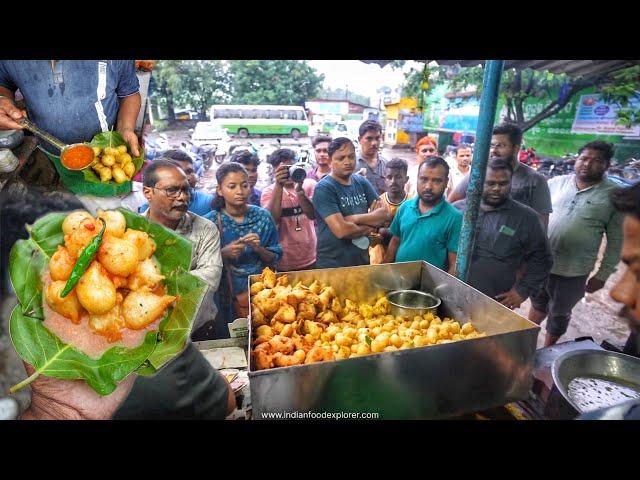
{"type": "Point", "coordinates": [347, 211]}
{"type": "Point", "coordinates": [72, 99]}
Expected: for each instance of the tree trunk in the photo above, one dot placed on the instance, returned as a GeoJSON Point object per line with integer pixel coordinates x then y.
{"type": "Point", "coordinates": [171, 114]}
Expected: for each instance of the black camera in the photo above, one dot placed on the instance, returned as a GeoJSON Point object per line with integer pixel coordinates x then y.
{"type": "Point", "coordinates": [298, 172]}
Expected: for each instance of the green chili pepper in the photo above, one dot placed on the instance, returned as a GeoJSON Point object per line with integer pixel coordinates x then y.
{"type": "Point", "coordinates": [84, 260]}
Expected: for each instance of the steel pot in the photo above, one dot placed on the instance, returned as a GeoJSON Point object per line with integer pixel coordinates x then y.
{"type": "Point", "coordinates": [409, 303]}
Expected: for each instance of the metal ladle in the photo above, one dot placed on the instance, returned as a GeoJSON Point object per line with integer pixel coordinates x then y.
{"type": "Point", "coordinates": [32, 127]}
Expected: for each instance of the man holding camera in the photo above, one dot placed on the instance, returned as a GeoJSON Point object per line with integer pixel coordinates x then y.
{"type": "Point", "coordinates": [289, 202]}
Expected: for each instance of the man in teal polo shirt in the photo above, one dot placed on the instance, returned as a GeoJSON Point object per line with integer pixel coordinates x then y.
{"type": "Point", "coordinates": [428, 227]}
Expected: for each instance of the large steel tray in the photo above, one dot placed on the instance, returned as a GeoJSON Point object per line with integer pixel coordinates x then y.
{"type": "Point", "coordinates": [436, 381]}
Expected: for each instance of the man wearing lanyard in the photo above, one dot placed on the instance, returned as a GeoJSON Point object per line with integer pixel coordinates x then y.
{"type": "Point", "coordinates": [290, 205]}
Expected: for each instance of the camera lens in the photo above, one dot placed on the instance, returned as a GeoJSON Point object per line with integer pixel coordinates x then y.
{"type": "Point", "coordinates": [297, 173]}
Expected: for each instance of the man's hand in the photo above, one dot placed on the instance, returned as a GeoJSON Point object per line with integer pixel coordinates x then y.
{"type": "Point", "coordinates": [282, 174]}
{"type": "Point", "coordinates": [232, 251]}
{"type": "Point", "coordinates": [362, 171]}
{"type": "Point", "coordinates": [510, 299]}
{"type": "Point", "coordinates": [10, 115]}
{"type": "Point", "coordinates": [55, 399]}
{"type": "Point", "coordinates": [251, 239]}
{"type": "Point", "coordinates": [132, 140]}
{"type": "Point", "coordinates": [594, 284]}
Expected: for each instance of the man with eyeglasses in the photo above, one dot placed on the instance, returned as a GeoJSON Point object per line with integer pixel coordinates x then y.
{"type": "Point", "coordinates": [200, 202]}
{"type": "Point", "coordinates": [188, 387]}
{"type": "Point", "coordinates": [527, 186]}
{"type": "Point", "coordinates": [370, 163]}
{"type": "Point", "coordinates": [323, 162]}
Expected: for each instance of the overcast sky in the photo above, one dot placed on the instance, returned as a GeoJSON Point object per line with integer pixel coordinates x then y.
{"type": "Point", "coordinates": [362, 78]}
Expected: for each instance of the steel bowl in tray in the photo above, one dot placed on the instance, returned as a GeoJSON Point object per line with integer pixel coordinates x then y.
{"type": "Point", "coordinates": [409, 303]}
{"type": "Point", "coordinates": [435, 381]}
{"type": "Point", "coordinates": [594, 379]}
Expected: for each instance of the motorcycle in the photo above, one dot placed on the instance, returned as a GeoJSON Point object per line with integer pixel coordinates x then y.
{"type": "Point", "coordinates": [198, 162]}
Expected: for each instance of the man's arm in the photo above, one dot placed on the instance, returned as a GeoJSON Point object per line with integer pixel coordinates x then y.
{"type": "Point", "coordinates": [346, 230]}
{"type": "Point", "coordinates": [9, 113]}
{"type": "Point", "coordinates": [453, 257]}
{"type": "Point", "coordinates": [460, 191]}
{"type": "Point", "coordinates": [375, 218]}
{"type": "Point", "coordinates": [545, 221]}
{"type": "Point", "coordinates": [127, 116]}
{"type": "Point", "coordinates": [392, 250]}
{"type": "Point", "coordinates": [614, 247]}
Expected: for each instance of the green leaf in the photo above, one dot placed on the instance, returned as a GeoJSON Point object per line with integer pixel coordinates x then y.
{"type": "Point", "coordinates": [49, 356]}
{"type": "Point", "coordinates": [175, 329]}
{"type": "Point", "coordinates": [367, 339]}
{"type": "Point", "coordinates": [26, 265]}
{"type": "Point", "coordinates": [36, 345]}
{"type": "Point", "coordinates": [110, 139]}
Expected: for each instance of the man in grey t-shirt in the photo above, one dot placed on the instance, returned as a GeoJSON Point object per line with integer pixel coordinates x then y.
{"type": "Point", "coordinates": [527, 185]}
{"type": "Point", "coordinates": [370, 163]}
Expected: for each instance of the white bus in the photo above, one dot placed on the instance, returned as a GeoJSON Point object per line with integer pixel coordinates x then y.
{"type": "Point", "coordinates": [245, 120]}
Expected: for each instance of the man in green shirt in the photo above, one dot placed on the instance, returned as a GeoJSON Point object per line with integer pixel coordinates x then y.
{"type": "Point", "coordinates": [428, 227]}
{"type": "Point", "coordinates": [582, 213]}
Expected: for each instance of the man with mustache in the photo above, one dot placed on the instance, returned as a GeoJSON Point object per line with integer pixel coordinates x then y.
{"type": "Point", "coordinates": [527, 186]}
{"type": "Point", "coordinates": [189, 376]}
{"type": "Point", "coordinates": [427, 228]}
{"type": "Point", "coordinates": [627, 292]}
{"type": "Point", "coordinates": [582, 214]}
{"type": "Point", "coordinates": [510, 234]}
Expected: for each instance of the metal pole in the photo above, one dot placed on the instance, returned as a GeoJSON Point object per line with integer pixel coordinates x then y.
{"type": "Point", "coordinates": [488, 102]}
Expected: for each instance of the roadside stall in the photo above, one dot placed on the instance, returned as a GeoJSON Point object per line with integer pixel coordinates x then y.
{"type": "Point", "coordinates": [494, 374]}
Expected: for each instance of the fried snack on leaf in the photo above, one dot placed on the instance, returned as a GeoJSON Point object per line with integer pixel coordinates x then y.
{"type": "Point", "coordinates": [268, 278]}
{"type": "Point", "coordinates": [69, 306]}
{"type": "Point", "coordinates": [61, 264]}
{"type": "Point", "coordinates": [143, 242]}
{"type": "Point", "coordinates": [82, 236]}
{"type": "Point", "coordinates": [73, 221]}
{"type": "Point", "coordinates": [140, 308]}
{"type": "Point", "coordinates": [116, 223]}
{"type": "Point", "coordinates": [109, 324]}
{"type": "Point", "coordinates": [117, 256]}
{"type": "Point", "coordinates": [95, 290]}
{"type": "Point", "coordinates": [146, 273]}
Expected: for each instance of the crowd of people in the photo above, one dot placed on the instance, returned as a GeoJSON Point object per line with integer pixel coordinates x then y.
{"type": "Point", "coordinates": [535, 239]}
